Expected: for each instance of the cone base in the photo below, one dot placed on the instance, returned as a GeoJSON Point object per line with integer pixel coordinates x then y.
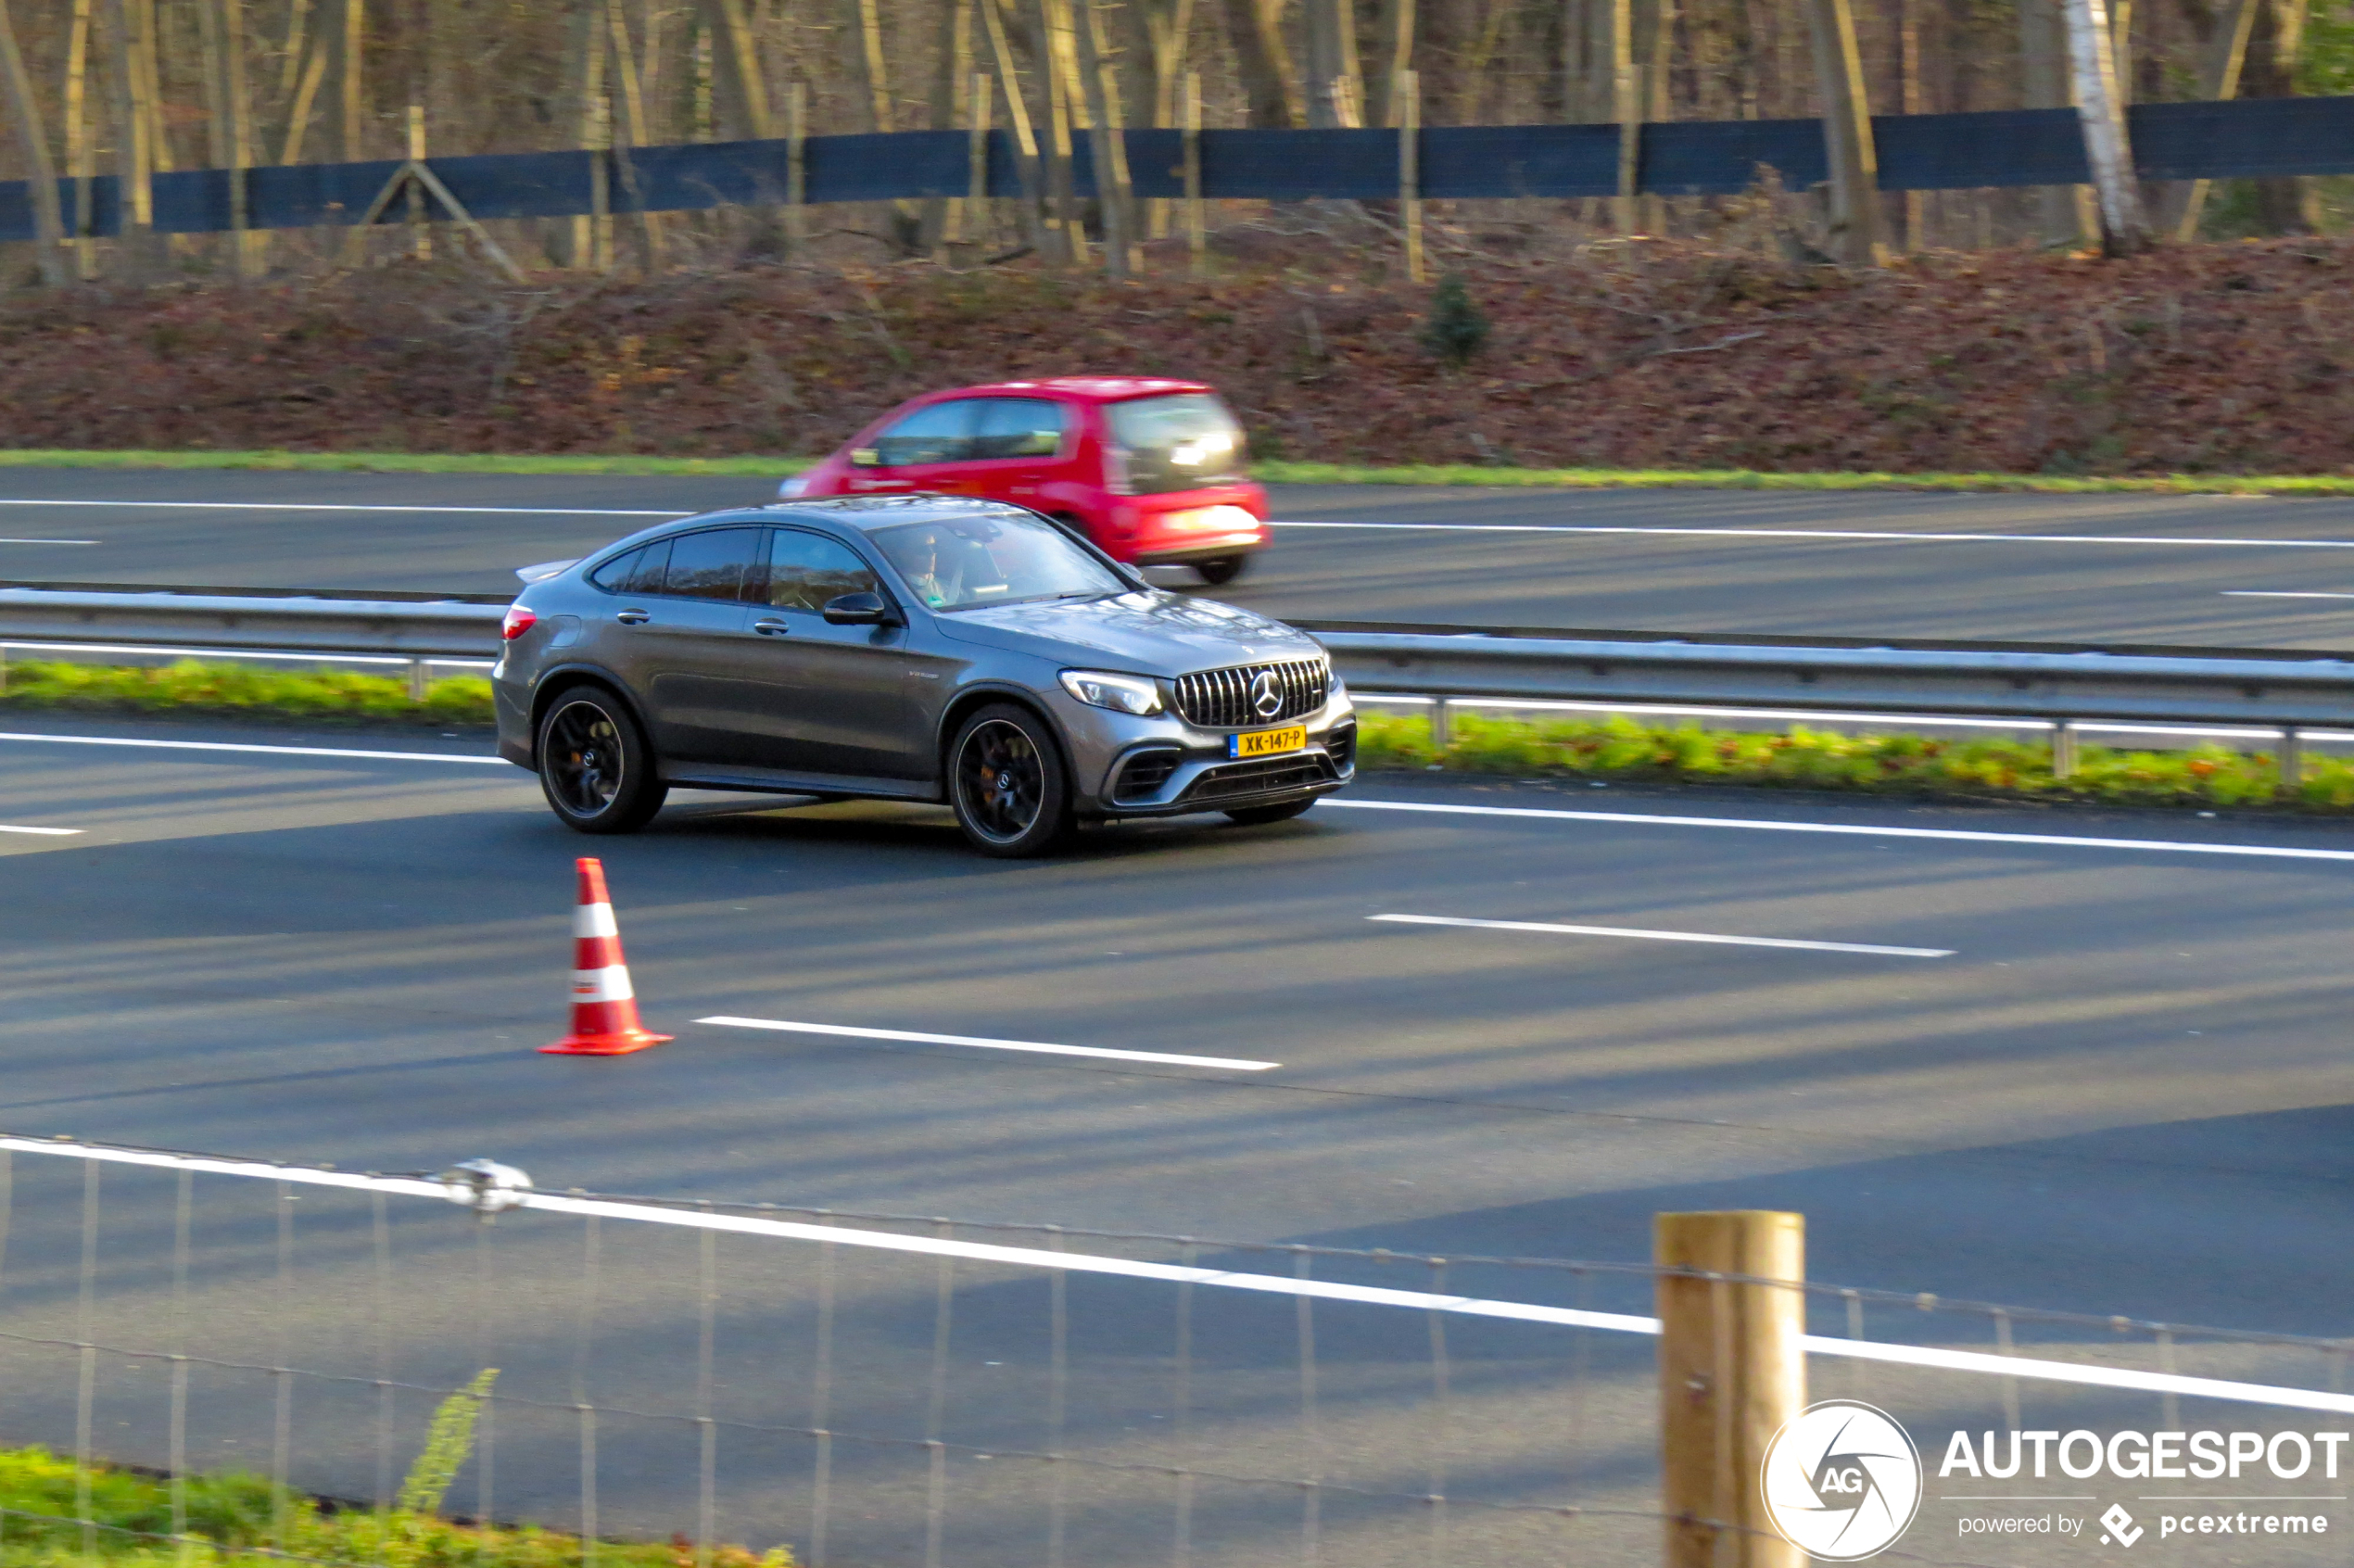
{"type": "Point", "coordinates": [619, 1044]}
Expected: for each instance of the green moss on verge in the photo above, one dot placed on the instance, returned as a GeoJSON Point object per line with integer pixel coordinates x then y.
{"type": "Point", "coordinates": [244, 690]}
{"type": "Point", "coordinates": [233, 1516]}
{"type": "Point", "coordinates": [1619, 748]}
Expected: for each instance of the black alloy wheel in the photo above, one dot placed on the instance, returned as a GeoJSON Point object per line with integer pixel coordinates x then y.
{"type": "Point", "coordinates": [595, 766]}
{"type": "Point", "coordinates": [1224, 570]}
{"type": "Point", "coordinates": [1005, 781]}
{"type": "Point", "coordinates": [1254, 817]}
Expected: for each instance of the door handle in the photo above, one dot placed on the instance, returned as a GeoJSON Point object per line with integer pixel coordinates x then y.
{"type": "Point", "coordinates": [633, 617]}
{"type": "Point", "coordinates": [772, 627]}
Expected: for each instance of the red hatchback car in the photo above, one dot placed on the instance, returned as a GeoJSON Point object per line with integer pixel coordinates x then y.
{"type": "Point", "coordinates": [1151, 471]}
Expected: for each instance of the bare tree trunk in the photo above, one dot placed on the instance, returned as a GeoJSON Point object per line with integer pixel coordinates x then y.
{"type": "Point", "coordinates": [2107, 148]}
{"type": "Point", "coordinates": [1255, 29]}
{"type": "Point", "coordinates": [739, 91]}
{"type": "Point", "coordinates": [1394, 52]}
{"type": "Point", "coordinates": [132, 108]}
{"type": "Point", "coordinates": [2043, 82]}
{"type": "Point", "coordinates": [2218, 79]}
{"type": "Point", "coordinates": [2287, 205]}
{"type": "Point", "coordinates": [1335, 94]}
{"type": "Point", "coordinates": [1847, 137]}
{"type": "Point", "coordinates": [24, 117]}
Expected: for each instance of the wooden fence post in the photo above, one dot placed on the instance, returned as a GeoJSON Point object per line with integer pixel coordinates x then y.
{"type": "Point", "coordinates": [24, 113]}
{"type": "Point", "coordinates": [1856, 231]}
{"type": "Point", "coordinates": [1731, 1372]}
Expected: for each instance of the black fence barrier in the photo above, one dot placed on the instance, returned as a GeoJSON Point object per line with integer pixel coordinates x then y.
{"type": "Point", "coordinates": [2243, 138]}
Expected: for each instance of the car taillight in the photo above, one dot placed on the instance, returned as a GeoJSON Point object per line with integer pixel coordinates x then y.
{"type": "Point", "coordinates": [519, 621]}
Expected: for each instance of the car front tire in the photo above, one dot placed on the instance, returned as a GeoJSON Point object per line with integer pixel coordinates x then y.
{"type": "Point", "coordinates": [595, 765]}
{"type": "Point", "coordinates": [1006, 782]}
{"type": "Point", "coordinates": [1224, 570]}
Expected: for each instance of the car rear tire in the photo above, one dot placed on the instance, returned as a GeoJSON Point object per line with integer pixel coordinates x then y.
{"type": "Point", "coordinates": [1224, 570]}
{"type": "Point", "coordinates": [1007, 784]}
{"type": "Point", "coordinates": [595, 765]}
{"type": "Point", "coordinates": [1258, 817]}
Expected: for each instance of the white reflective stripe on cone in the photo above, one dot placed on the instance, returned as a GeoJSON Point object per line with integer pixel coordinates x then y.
{"type": "Point", "coordinates": [593, 920]}
{"type": "Point", "coordinates": [603, 985]}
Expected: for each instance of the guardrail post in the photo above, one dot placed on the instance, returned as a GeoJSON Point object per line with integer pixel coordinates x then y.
{"type": "Point", "coordinates": [419, 676]}
{"type": "Point", "coordinates": [1731, 1372]}
{"type": "Point", "coordinates": [2290, 759]}
{"type": "Point", "coordinates": [2063, 749]}
{"type": "Point", "coordinates": [1439, 738]}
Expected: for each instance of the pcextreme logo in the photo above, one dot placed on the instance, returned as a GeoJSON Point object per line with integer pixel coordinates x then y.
{"type": "Point", "coordinates": [1842, 1480]}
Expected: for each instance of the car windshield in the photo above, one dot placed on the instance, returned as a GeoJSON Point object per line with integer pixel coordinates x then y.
{"type": "Point", "coordinates": [1005, 558]}
{"type": "Point", "coordinates": [1183, 441]}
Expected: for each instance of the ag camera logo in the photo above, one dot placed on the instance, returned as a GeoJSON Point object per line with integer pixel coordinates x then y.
{"type": "Point", "coordinates": [1842, 1480]}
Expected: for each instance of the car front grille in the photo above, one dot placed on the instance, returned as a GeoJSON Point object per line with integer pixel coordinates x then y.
{"type": "Point", "coordinates": [1274, 774]}
{"type": "Point", "coordinates": [1221, 699]}
{"type": "Point", "coordinates": [1144, 775]}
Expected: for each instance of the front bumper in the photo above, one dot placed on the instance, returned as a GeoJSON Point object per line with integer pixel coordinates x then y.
{"type": "Point", "coordinates": [1125, 766]}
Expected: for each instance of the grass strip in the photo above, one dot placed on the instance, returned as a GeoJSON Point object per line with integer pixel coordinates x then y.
{"type": "Point", "coordinates": [197, 688]}
{"type": "Point", "coordinates": [1618, 748]}
{"type": "Point", "coordinates": [1609, 749]}
{"type": "Point", "coordinates": [416, 463]}
{"type": "Point", "coordinates": [1274, 472]}
{"type": "Point", "coordinates": [241, 1520]}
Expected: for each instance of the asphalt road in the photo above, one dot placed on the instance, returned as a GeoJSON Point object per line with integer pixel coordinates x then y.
{"type": "Point", "coordinates": [2114, 568]}
{"type": "Point", "coordinates": [2124, 1090]}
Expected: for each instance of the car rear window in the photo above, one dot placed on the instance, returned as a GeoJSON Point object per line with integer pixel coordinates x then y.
{"type": "Point", "coordinates": [1183, 441]}
{"type": "Point", "coordinates": [711, 564]}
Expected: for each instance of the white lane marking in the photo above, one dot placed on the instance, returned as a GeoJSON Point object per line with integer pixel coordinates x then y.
{"type": "Point", "coordinates": [1954, 835]}
{"type": "Point", "coordinates": [2268, 593]}
{"type": "Point", "coordinates": [1178, 1273]}
{"type": "Point", "coordinates": [1829, 534]}
{"type": "Point", "coordinates": [329, 506]}
{"type": "Point", "coordinates": [50, 541]}
{"type": "Point", "coordinates": [1669, 936]}
{"type": "Point", "coordinates": [268, 751]}
{"type": "Point", "coordinates": [1231, 1063]}
{"type": "Point", "coordinates": [46, 832]}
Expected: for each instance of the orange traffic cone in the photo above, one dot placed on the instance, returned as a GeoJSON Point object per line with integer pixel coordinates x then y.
{"type": "Point", "coordinates": [604, 1007]}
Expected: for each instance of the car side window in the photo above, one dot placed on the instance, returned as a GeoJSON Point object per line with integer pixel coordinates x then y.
{"type": "Point", "coordinates": [1017, 427]}
{"type": "Point", "coordinates": [806, 570]}
{"type": "Point", "coordinates": [936, 433]}
{"type": "Point", "coordinates": [711, 564]}
{"type": "Point", "coordinates": [614, 576]}
{"type": "Point", "coordinates": [646, 575]}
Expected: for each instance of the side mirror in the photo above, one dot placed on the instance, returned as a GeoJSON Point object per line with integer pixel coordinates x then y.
{"type": "Point", "coordinates": [859, 610]}
{"type": "Point", "coordinates": [865, 457]}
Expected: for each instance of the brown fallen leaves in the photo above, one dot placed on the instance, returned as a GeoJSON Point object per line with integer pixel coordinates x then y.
{"type": "Point", "coordinates": [2229, 358]}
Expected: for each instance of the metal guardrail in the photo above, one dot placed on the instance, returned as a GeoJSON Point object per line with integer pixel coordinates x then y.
{"type": "Point", "coordinates": [2054, 684]}
{"type": "Point", "coordinates": [169, 618]}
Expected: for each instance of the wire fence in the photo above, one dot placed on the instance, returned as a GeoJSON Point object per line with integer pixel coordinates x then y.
{"type": "Point", "coordinates": [881, 1389]}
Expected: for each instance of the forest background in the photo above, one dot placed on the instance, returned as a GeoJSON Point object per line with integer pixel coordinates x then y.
{"type": "Point", "coordinates": [1707, 331]}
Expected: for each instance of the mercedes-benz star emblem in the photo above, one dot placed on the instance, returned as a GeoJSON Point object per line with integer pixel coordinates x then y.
{"type": "Point", "coordinates": [1266, 697]}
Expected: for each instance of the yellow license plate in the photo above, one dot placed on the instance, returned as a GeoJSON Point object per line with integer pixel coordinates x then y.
{"type": "Point", "coordinates": [1268, 743]}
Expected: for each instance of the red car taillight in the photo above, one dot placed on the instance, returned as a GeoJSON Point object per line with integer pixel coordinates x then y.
{"type": "Point", "coordinates": [519, 621]}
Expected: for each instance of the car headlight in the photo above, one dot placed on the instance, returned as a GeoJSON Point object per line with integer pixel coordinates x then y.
{"type": "Point", "coordinates": [1126, 694]}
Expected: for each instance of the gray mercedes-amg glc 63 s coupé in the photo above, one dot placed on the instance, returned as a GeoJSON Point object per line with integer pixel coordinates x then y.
{"type": "Point", "coordinates": [916, 648]}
